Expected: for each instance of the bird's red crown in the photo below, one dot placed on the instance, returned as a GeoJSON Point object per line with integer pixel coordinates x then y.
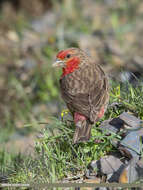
{"type": "Point", "coordinates": [62, 54]}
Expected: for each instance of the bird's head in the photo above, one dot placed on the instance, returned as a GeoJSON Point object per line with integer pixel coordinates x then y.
{"type": "Point", "coordinates": [69, 60]}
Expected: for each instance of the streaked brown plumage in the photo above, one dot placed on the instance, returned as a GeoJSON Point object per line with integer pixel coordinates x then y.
{"type": "Point", "coordinates": [84, 87]}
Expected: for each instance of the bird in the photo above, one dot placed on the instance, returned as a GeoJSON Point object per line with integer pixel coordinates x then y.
{"type": "Point", "coordinates": [84, 87]}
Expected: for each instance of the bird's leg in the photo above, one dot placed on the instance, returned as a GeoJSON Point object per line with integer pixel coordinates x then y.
{"type": "Point", "coordinates": [83, 128]}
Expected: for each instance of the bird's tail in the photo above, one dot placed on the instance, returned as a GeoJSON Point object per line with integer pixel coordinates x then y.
{"type": "Point", "coordinates": [82, 131]}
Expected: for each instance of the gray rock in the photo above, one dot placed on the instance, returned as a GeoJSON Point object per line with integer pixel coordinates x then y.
{"type": "Point", "coordinates": [132, 143]}
{"type": "Point", "coordinates": [107, 165]}
{"type": "Point", "coordinates": [130, 120]}
{"type": "Point", "coordinates": [112, 126]}
{"type": "Point", "coordinates": [132, 172]}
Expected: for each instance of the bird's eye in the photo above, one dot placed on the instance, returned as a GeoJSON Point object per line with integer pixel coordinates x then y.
{"type": "Point", "coordinates": [68, 56]}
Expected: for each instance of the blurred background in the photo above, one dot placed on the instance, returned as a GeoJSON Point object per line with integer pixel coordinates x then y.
{"type": "Point", "coordinates": [31, 34]}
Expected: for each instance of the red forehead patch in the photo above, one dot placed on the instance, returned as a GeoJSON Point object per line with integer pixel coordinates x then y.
{"type": "Point", "coordinates": [63, 53]}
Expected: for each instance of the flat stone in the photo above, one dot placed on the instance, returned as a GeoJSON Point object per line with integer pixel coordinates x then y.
{"type": "Point", "coordinates": [106, 165]}
{"type": "Point", "coordinates": [131, 172]}
{"type": "Point", "coordinates": [132, 143]}
{"type": "Point", "coordinates": [130, 120]}
{"type": "Point", "coordinates": [112, 126]}
{"type": "Point", "coordinates": [140, 132]}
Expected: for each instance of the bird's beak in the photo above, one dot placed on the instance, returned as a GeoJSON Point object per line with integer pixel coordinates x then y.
{"type": "Point", "coordinates": [58, 63]}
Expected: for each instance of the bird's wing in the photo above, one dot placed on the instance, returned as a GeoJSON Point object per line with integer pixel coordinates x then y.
{"type": "Point", "coordinates": [99, 93]}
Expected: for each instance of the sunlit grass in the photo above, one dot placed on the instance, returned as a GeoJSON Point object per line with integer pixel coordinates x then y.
{"type": "Point", "coordinates": [57, 158]}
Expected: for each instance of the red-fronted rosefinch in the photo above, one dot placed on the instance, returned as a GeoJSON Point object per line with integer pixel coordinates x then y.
{"type": "Point", "coordinates": [84, 87]}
